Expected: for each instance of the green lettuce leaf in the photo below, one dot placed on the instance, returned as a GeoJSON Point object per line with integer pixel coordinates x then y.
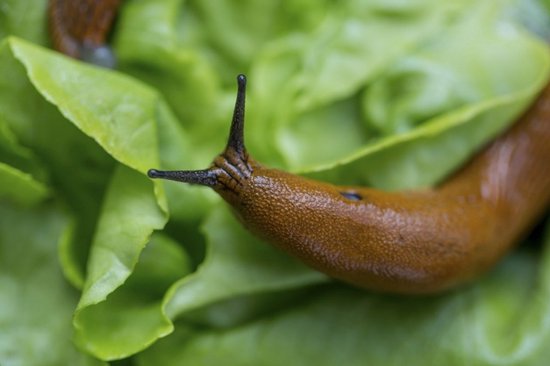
{"type": "Point", "coordinates": [253, 266]}
{"type": "Point", "coordinates": [129, 216]}
{"type": "Point", "coordinates": [133, 317]}
{"type": "Point", "coordinates": [438, 104]}
{"type": "Point", "coordinates": [25, 19]}
{"type": "Point", "coordinates": [55, 149]}
{"type": "Point", "coordinates": [499, 320]}
{"type": "Point", "coordinates": [36, 303]}
{"type": "Point", "coordinates": [20, 187]}
{"type": "Point", "coordinates": [394, 93]}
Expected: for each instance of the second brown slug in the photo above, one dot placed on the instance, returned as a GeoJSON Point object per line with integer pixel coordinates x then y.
{"type": "Point", "coordinates": [79, 28]}
{"type": "Point", "coordinates": [404, 242]}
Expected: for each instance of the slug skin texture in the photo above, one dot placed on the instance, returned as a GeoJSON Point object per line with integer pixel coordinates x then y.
{"type": "Point", "coordinates": [402, 242]}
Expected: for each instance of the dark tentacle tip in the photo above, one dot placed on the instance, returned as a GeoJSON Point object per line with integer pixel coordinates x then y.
{"type": "Point", "coordinates": [153, 173]}
{"type": "Point", "coordinates": [241, 80]}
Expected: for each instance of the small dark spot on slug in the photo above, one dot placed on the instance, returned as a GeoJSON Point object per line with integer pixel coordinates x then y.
{"type": "Point", "coordinates": [352, 196]}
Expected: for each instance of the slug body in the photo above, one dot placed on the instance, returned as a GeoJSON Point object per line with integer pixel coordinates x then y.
{"type": "Point", "coordinates": [404, 242]}
{"type": "Point", "coordinates": [79, 28]}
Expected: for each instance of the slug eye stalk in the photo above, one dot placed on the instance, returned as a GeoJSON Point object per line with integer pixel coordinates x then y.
{"type": "Point", "coordinates": [204, 177]}
{"type": "Point", "coordinates": [235, 141]}
{"type": "Point", "coordinates": [233, 155]}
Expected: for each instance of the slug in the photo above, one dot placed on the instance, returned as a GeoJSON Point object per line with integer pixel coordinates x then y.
{"type": "Point", "coordinates": [79, 28]}
{"type": "Point", "coordinates": [409, 242]}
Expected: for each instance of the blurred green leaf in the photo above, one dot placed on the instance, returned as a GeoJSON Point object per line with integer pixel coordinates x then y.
{"type": "Point", "coordinates": [36, 303]}
{"type": "Point", "coordinates": [496, 321]}
{"type": "Point", "coordinates": [433, 107]}
{"type": "Point", "coordinates": [25, 19]}
{"type": "Point", "coordinates": [20, 187]}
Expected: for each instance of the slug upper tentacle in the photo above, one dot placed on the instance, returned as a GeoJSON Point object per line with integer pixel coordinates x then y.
{"type": "Point", "coordinates": [404, 242]}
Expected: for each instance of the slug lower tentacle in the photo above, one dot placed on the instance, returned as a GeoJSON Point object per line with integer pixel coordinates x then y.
{"type": "Point", "coordinates": [79, 28]}
{"type": "Point", "coordinates": [404, 242]}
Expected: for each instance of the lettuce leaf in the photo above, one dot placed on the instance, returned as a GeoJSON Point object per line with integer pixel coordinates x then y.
{"type": "Point", "coordinates": [401, 92]}
{"type": "Point", "coordinates": [498, 321]}
{"type": "Point", "coordinates": [37, 303]}
{"type": "Point", "coordinates": [20, 187]}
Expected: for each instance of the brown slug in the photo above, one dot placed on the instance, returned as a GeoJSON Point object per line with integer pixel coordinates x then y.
{"type": "Point", "coordinates": [79, 28]}
{"type": "Point", "coordinates": [402, 242]}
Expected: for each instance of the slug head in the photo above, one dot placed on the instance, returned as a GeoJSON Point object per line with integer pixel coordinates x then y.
{"type": "Point", "coordinates": [231, 168]}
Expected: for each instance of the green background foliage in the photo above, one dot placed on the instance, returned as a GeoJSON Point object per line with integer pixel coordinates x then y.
{"type": "Point", "coordinates": [98, 263]}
